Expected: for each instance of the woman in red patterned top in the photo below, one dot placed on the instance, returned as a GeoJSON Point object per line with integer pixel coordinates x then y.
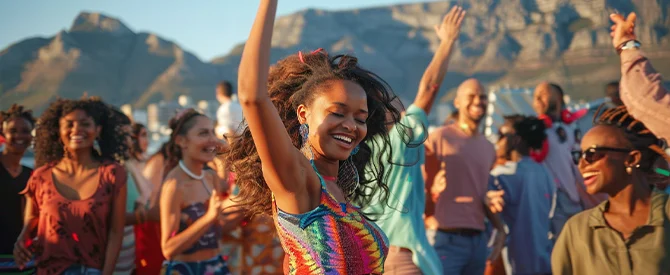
{"type": "Point", "coordinates": [75, 200]}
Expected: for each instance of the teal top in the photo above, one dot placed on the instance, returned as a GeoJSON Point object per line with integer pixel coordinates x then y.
{"type": "Point", "coordinates": [133, 194]}
{"type": "Point", "coordinates": [402, 218]}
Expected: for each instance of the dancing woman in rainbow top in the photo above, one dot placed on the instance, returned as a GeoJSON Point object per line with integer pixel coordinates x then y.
{"type": "Point", "coordinates": [309, 116]}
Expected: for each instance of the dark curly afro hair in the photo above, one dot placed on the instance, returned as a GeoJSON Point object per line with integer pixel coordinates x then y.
{"type": "Point", "coordinates": [48, 145]}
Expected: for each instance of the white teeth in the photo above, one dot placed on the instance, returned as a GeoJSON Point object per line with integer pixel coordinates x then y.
{"type": "Point", "coordinates": [210, 149]}
{"type": "Point", "coordinates": [590, 174]}
{"type": "Point", "coordinates": [342, 138]}
{"type": "Point", "coordinates": [77, 137]}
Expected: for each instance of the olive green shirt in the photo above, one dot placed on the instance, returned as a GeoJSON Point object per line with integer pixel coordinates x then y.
{"type": "Point", "coordinates": [587, 245]}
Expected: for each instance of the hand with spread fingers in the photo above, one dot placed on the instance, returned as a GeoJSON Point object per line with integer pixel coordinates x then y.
{"type": "Point", "coordinates": [450, 27]}
{"type": "Point", "coordinates": [623, 29]}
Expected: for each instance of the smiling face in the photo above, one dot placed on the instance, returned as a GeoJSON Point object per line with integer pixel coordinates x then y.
{"type": "Point", "coordinates": [199, 141]}
{"type": "Point", "coordinates": [604, 163]}
{"type": "Point", "coordinates": [546, 100]}
{"type": "Point", "coordinates": [336, 118]}
{"type": "Point", "coordinates": [471, 101]}
{"type": "Point", "coordinates": [18, 136]}
{"type": "Point", "coordinates": [78, 131]}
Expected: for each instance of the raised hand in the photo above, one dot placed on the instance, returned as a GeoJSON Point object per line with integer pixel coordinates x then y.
{"type": "Point", "coordinates": [450, 27]}
{"type": "Point", "coordinates": [623, 29]}
{"type": "Point", "coordinates": [215, 203]}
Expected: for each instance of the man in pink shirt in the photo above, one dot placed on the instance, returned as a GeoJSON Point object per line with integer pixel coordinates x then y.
{"type": "Point", "coordinates": [463, 158]}
{"type": "Point", "coordinates": [642, 88]}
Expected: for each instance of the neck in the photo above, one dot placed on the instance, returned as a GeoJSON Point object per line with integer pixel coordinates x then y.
{"type": "Point", "coordinates": [81, 157]}
{"type": "Point", "coordinates": [468, 126]}
{"type": "Point", "coordinates": [225, 99]}
{"type": "Point", "coordinates": [194, 166]}
{"type": "Point", "coordinates": [326, 167]}
{"type": "Point", "coordinates": [636, 195]}
{"type": "Point", "coordinates": [74, 166]}
{"type": "Point", "coordinates": [10, 160]}
{"type": "Point", "coordinates": [516, 156]}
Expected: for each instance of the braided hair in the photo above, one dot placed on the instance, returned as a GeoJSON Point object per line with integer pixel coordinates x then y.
{"type": "Point", "coordinates": [636, 133]}
{"type": "Point", "coordinates": [16, 111]}
{"type": "Point", "coordinates": [530, 129]}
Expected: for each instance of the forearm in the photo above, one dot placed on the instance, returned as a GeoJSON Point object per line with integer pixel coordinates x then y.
{"type": "Point", "coordinates": [253, 70]}
{"type": "Point", "coordinates": [434, 76]}
{"type": "Point", "coordinates": [114, 242]}
{"type": "Point", "coordinates": [643, 93]}
{"type": "Point", "coordinates": [177, 243]}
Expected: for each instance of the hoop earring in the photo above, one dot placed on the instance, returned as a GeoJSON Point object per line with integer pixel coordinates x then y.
{"type": "Point", "coordinates": [347, 177]}
{"type": "Point", "coordinates": [96, 147]}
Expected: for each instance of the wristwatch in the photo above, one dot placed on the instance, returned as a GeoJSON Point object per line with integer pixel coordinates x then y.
{"type": "Point", "coordinates": [630, 44]}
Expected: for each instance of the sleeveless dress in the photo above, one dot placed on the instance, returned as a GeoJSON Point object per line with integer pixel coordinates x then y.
{"type": "Point", "coordinates": [333, 238]}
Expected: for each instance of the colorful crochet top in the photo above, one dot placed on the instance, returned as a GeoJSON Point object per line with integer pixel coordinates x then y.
{"type": "Point", "coordinates": [334, 238]}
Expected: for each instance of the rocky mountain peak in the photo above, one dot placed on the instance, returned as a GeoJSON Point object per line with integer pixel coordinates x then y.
{"type": "Point", "coordinates": [98, 22]}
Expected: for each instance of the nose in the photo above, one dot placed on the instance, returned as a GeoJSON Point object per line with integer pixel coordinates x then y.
{"type": "Point", "coordinates": [350, 125]}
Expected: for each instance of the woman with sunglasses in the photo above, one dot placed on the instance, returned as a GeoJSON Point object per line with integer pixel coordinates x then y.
{"type": "Point", "coordinates": [630, 232]}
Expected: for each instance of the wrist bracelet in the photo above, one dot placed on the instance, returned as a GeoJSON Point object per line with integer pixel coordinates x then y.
{"type": "Point", "coordinates": [630, 44]}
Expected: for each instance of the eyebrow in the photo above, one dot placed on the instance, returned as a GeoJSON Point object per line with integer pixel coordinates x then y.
{"type": "Point", "coordinates": [347, 106]}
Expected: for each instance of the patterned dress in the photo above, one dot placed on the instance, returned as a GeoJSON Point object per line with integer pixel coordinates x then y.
{"type": "Point", "coordinates": [334, 238]}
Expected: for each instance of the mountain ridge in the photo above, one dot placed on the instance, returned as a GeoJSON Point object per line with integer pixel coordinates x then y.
{"type": "Point", "coordinates": [502, 42]}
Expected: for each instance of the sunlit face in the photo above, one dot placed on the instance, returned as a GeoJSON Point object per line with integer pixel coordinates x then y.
{"type": "Point", "coordinates": [606, 154]}
{"type": "Point", "coordinates": [143, 140]}
{"type": "Point", "coordinates": [471, 102]}
{"type": "Point", "coordinates": [18, 136]}
{"type": "Point", "coordinates": [336, 118]}
{"type": "Point", "coordinates": [199, 143]}
{"type": "Point", "coordinates": [78, 131]}
{"type": "Point", "coordinates": [545, 99]}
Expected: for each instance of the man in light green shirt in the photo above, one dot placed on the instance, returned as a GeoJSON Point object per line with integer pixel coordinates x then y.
{"type": "Point", "coordinates": [402, 219]}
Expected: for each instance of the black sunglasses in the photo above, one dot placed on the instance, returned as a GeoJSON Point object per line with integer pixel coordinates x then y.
{"type": "Point", "coordinates": [596, 153]}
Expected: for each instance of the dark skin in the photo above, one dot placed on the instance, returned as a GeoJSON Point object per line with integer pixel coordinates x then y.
{"type": "Point", "coordinates": [17, 132]}
{"type": "Point", "coordinates": [628, 190]}
{"type": "Point", "coordinates": [76, 177]}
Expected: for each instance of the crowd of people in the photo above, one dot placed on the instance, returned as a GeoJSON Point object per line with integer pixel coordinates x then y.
{"type": "Point", "coordinates": [351, 179]}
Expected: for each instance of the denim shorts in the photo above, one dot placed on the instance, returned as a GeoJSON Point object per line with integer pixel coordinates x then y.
{"type": "Point", "coordinates": [213, 266]}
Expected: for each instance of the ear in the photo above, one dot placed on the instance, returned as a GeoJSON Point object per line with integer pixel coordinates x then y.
{"type": "Point", "coordinates": [302, 113]}
{"type": "Point", "coordinates": [633, 159]}
{"type": "Point", "coordinates": [457, 102]}
{"type": "Point", "coordinates": [180, 141]}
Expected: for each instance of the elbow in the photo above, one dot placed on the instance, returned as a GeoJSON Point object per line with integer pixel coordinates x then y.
{"type": "Point", "coordinates": [168, 253]}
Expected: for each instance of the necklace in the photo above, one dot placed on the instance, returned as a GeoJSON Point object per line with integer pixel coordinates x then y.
{"type": "Point", "coordinates": [189, 173]}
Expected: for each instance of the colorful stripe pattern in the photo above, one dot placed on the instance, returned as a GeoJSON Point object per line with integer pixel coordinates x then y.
{"type": "Point", "coordinates": [334, 238]}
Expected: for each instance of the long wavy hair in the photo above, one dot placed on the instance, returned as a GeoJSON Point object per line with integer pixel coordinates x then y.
{"type": "Point", "coordinates": [294, 81]}
{"type": "Point", "coordinates": [48, 145]}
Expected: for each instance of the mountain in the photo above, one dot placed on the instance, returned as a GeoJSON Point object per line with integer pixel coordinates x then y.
{"type": "Point", "coordinates": [515, 42]}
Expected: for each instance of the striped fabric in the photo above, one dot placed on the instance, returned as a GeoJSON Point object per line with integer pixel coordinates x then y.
{"type": "Point", "coordinates": [125, 264]}
{"type": "Point", "coordinates": [334, 238]}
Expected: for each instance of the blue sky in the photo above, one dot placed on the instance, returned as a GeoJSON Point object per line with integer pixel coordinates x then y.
{"type": "Point", "coordinates": [207, 28]}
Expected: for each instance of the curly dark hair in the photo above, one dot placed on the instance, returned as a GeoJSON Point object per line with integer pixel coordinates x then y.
{"type": "Point", "coordinates": [180, 125]}
{"type": "Point", "coordinates": [16, 111]}
{"type": "Point", "coordinates": [530, 129]}
{"type": "Point", "coordinates": [636, 133]}
{"type": "Point", "coordinates": [48, 145]}
{"type": "Point", "coordinates": [294, 81]}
